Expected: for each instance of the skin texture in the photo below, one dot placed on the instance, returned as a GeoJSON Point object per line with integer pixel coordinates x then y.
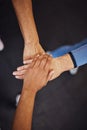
{"type": "Point", "coordinates": [32, 47]}
{"type": "Point", "coordinates": [24, 13]}
{"type": "Point", "coordinates": [40, 68]}
{"type": "Point", "coordinates": [39, 71]}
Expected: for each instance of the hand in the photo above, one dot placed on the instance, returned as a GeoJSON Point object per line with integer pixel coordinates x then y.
{"type": "Point", "coordinates": [38, 73]}
{"type": "Point", "coordinates": [30, 50]}
{"type": "Point", "coordinates": [55, 65]}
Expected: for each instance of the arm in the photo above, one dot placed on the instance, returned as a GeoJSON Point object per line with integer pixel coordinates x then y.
{"type": "Point", "coordinates": [23, 9]}
{"type": "Point", "coordinates": [38, 71]}
{"type": "Point", "coordinates": [23, 115]}
{"type": "Point", "coordinates": [32, 46]}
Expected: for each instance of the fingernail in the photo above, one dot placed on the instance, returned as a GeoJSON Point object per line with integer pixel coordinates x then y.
{"type": "Point", "coordinates": [50, 55]}
{"type": "Point", "coordinates": [43, 53]}
{"type": "Point", "coordinates": [18, 69]}
{"type": "Point", "coordinates": [37, 55]}
{"type": "Point", "coordinates": [16, 77]}
{"type": "Point", "coordinates": [52, 72]}
{"type": "Point", "coordinates": [14, 73]}
{"type": "Point", "coordinates": [29, 61]}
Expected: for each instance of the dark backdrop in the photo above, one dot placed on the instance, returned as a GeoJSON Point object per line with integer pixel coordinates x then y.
{"type": "Point", "coordinates": [62, 104]}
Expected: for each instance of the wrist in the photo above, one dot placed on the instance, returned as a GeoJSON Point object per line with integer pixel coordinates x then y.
{"type": "Point", "coordinates": [30, 42]}
{"type": "Point", "coordinates": [66, 62]}
{"type": "Point", "coordinates": [29, 87]}
{"type": "Point", "coordinates": [27, 94]}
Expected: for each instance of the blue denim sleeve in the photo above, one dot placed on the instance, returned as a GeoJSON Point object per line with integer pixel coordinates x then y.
{"type": "Point", "coordinates": [80, 55]}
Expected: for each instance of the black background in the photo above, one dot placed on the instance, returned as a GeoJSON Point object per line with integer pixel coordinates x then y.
{"type": "Point", "coordinates": [62, 104]}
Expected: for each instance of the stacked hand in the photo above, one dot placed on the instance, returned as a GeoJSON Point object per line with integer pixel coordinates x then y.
{"type": "Point", "coordinates": [38, 73]}
{"type": "Point", "coordinates": [30, 54]}
{"type": "Point", "coordinates": [53, 65]}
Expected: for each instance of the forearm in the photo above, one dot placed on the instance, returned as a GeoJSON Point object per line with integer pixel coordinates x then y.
{"type": "Point", "coordinates": [39, 71]}
{"type": "Point", "coordinates": [23, 9]}
{"type": "Point", "coordinates": [23, 115]}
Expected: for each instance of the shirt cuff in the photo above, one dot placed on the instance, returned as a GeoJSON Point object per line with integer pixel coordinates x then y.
{"type": "Point", "coordinates": [73, 59]}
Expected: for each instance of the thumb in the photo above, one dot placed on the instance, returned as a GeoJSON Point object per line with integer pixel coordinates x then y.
{"type": "Point", "coordinates": [50, 75]}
